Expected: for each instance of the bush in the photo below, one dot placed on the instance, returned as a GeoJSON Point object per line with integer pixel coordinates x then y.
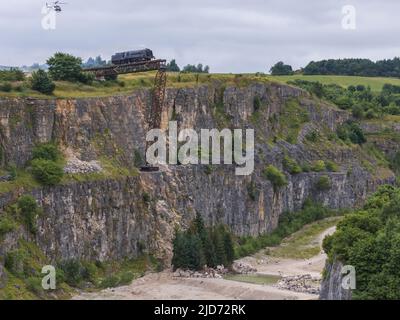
{"type": "Point", "coordinates": [13, 74]}
{"type": "Point", "coordinates": [47, 151]}
{"type": "Point", "coordinates": [12, 169]}
{"type": "Point", "coordinates": [323, 183]}
{"type": "Point", "coordinates": [257, 103]}
{"type": "Point", "coordinates": [41, 82]}
{"type": "Point", "coordinates": [146, 197]}
{"type": "Point", "coordinates": [357, 111]}
{"type": "Point", "coordinates": [351, 131]}
{"type": "Point", "coordinates": [318, 166]}
{"type": "Point", "coordinates": [305, 167]}
{"type": "Point", "coordinates": [275, 176]}
{"type": "Point", "coordinates": [111, 281]}
{"type": "Point", "coordinates": [331, 166]}
{"type": "Point", "coordinates": [312, 136]}
{"type": "Point", "coordinates": [86, 78]}
{"type": "Point", "coordinates": [291, 165]}
{"type": "Point", "coordinates": [111, 77]}
{"type": "Point", "coordinates": [34, 284]}
{"type": "Point", "coordinates": [75, 272]}
{"type": "Point", "coordinates": [126, 278]}
{"type": "Point", "coordinates": [29, 211]}
{"type": "Point", "coordinates": [47, 172]}
{"type": "Point", "coordinates": [6, 225]}
{"type": "Point", "coordinates": [5, 87]}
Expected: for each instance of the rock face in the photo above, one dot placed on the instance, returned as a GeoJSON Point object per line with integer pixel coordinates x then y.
{"type": "Point", "coordinates": [121, 217]}
{"type": "Point", "coordinates": [331, 286]}
{"type": "Point", "coordinates": [3, 277]}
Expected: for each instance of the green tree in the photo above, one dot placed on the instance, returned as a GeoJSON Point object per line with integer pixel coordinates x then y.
{"type": "Point", "coordinates": [41, 82]}
{"type": "Point", "coordinates": [65, 67]}
{"type": "Point", "coordinates": [172, 66]}
{"type": "Point", "coordinates": [281, 69]}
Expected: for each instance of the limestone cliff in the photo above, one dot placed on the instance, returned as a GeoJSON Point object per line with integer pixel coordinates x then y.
{"type": "Point", "coordinates": [121, 216]}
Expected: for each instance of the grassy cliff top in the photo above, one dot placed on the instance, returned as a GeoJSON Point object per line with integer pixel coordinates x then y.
{"type": "Point", "coordinates": [376, 83]}
{"type": "Point", "coordinates": [126, 83]}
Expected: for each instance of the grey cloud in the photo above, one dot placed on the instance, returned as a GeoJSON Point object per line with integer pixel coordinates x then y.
{"type": "Point", "coordinates": [229, 35]}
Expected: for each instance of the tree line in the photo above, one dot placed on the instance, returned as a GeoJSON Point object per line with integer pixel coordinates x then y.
{"type": "Point", "coordinates": [360, 100]}
{"type": "Point", "coordinates": [172, 66]}
{"type": "Point", "coordinates": [368, 239]}
{"type": "Point", "coordinates": [200, 245]}
{"type": "Point", "coordinates": [344, 67]}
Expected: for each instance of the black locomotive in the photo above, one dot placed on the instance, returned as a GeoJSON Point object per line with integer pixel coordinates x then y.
{"type": "Point", "coordinates": [132, 56]}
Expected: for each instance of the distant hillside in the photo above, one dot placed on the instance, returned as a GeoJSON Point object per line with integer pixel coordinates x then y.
{"type": "Point", "coordinates": [31, 68]}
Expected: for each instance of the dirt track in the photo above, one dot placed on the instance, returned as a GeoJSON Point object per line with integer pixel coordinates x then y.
{"type": "Point", "coordinates": [162, 286]}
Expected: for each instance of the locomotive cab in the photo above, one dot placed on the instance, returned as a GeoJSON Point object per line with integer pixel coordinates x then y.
{"type": "Point", "coordinates": [132, 56]}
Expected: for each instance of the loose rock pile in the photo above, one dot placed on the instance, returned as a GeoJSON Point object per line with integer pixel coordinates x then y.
{"type": "Point", "coordinates": [78, 166]}
{"type": "Point", "coordinates": [5, 178]}
{"type": "Point", "coordinates": [302, 283]}
{"type": "Point", "coordinates": [217, 273]}
{"type": "Point", "coordinates": [243, 268]}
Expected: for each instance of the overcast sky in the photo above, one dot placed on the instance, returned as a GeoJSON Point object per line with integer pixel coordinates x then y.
{"type": "Point", "coordinates": [229, 35]}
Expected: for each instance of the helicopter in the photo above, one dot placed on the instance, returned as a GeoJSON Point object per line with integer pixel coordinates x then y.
{"type": "Point", "coordinates": [56, 6]}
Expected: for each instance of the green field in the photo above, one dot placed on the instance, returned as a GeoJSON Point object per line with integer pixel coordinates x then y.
{"type": "Point", "coordinates": [376, 84]}
{"type": "Point", "coordinates": [129, 82]}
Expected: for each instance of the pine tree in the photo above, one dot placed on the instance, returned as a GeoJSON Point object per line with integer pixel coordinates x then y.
{"type": "Point", "coordinates": [41, 82]}
{"type": "Point", "coordinates": [229, 250]}
{"type": "Point", "coordinates": [218, 239]}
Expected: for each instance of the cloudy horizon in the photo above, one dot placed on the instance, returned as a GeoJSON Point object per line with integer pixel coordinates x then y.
{"type": "Point", "coordinates": [229, 36]}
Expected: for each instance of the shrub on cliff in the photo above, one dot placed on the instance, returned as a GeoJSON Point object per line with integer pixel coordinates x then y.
{"type": "Point", "coordinates": [29, 211]}
{"type": "Point", "coordinates": [318, 166]}
{"type": "Point", "coordinates": [291, 165]}
{"type": "Point", "coordinates": [41, 82]}
{"type": "Point", "coordinates": [331, 166]}
{"type": "Point", "coordinates": [323, 183]}
{"type": "Point", "coordinates": [47, 172]}
{"type": "Point", "coordinates": [275, 176]}
{"type": "Point", "coordinates": [47, 151]}
{"type": "Point", "coordinates": [351, 131]}
{"type": "Point", "coordinates": [6, 225]}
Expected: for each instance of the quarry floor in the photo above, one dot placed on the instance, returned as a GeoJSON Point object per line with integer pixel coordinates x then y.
{"type": "Point", "coordinates": [163, 286]}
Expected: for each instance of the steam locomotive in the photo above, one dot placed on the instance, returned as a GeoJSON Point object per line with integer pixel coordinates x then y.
{"type": "Point", "coordinates": [132, 56]}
